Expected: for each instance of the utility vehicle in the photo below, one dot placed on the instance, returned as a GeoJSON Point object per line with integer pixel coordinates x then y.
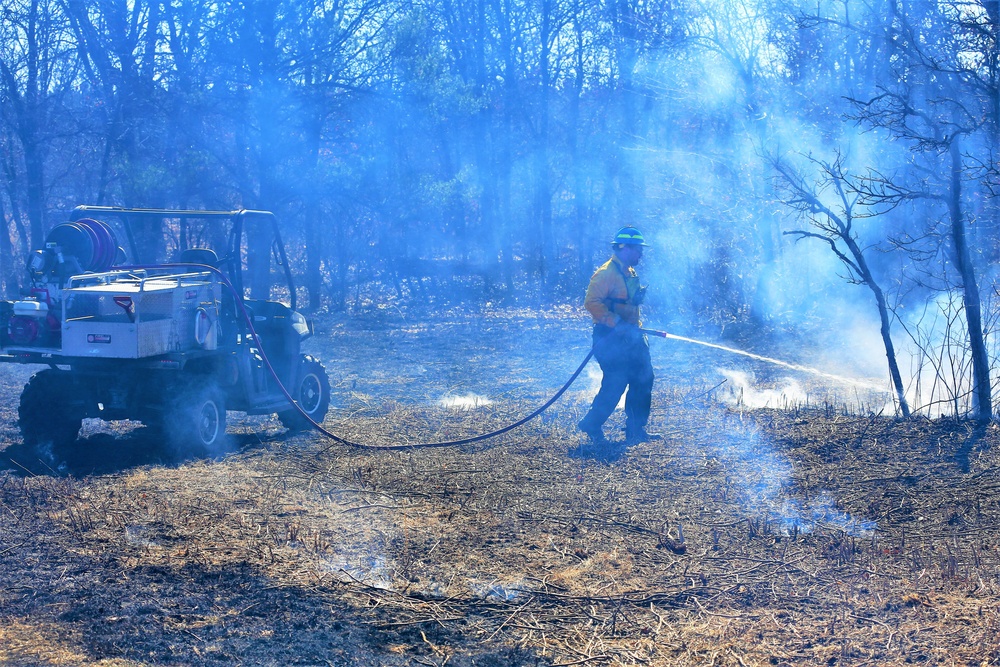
{"type": "Point", "coordinates": [192, 315]}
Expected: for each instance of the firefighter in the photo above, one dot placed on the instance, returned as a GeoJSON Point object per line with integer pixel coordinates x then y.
{"type": "Point", "coordinates": [613, 300]}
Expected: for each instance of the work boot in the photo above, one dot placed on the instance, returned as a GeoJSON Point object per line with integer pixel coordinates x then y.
{"type": "Point", "coordinates": [595, 433]}
{"type": "Point", "coordinates": [635, 435]}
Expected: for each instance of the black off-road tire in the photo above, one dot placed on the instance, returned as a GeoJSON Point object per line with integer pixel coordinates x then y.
{"type": "Point", "coordinates": [312, 394]}
{"type": "Point", "coordinates": [50, 412]}
{"type": "Point", "coordinates": [195, 420]}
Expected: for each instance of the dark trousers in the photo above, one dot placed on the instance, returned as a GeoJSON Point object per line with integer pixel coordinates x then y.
{"type": "Point", "coordinates": [625, 363]}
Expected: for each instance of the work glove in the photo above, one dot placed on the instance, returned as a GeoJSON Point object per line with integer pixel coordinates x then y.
{"type": "Point", "coordinates": [628, 332]}
{"type": "Point", "coordinates": [640, 296]}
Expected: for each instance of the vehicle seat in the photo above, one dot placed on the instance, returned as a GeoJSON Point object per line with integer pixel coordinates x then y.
{"type": "Point", "coordinates": [273, 323]}
{"type": "Point", "coordinates": [205, 256]}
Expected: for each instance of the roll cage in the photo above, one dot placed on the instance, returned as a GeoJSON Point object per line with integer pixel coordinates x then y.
{"type": "Point", "coordinates": [246, 241]}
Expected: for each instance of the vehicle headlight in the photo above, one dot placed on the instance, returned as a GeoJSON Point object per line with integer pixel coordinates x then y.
{"type": "Point", "coordinates": [301, 325]}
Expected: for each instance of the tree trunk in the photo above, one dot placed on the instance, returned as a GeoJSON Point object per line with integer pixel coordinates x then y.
{"type": "Point", "coordinates": [543, 197]}
{"type": "Point", "coordinates": [35, 181]}
{"type": "Point", "coordinates": [505, 138]}
{"type": "Point", "coordinates": [485, 149]}
{"type": "Point", "coordinates": [10, 183]}
{"type": "Point", "coordinates": [883, 315]}
{"type": "Point", "coordinates": [313, 216]}
{"type": "Point", "coordinates": [982, 401]}
{"type": "Point", "coordinates": [8, 270]}
{"type": "Point", "coordinates": [581, 222]}
{"type": "Point", "coordinates": [890, 350]}
{"type": "Point", "coordinates": [628, 177]}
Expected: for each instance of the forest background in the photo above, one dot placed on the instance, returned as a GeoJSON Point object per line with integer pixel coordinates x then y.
{"type": "Point", "coordinates": [820, 168]}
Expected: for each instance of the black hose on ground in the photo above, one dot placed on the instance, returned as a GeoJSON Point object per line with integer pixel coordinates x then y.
{"type": "Point", "coordinates": [471, 439]}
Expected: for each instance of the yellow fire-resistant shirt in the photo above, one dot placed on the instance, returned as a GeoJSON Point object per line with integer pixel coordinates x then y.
{"type": "Point", "coordinates": [610, 294]}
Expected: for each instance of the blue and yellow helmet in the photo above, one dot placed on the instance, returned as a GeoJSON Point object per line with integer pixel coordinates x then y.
{"type": "Point", "coordinates": [629, 236]}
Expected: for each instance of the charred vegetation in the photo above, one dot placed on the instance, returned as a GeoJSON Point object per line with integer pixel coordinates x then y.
{"type": "Point", "coordinates": [819, 533]}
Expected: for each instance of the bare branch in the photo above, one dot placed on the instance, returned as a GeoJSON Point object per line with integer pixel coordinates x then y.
{"type": "Point", "coordinates": [851, 266]}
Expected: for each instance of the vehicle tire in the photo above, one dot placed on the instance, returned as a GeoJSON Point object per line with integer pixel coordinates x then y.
{"type": "Point", "coordinates": [195, 421]}
{"type": "Point", "coordinates": [312, 393]}
{"type": "Point", "coordinates": [51, 409]}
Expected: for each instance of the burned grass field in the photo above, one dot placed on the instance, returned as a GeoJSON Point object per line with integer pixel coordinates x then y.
{"type": "Point", "coordinates": [813, 534]}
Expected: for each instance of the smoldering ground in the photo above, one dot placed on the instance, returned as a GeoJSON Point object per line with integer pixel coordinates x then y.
{"type": "Point", "coordinates": [813, 535]}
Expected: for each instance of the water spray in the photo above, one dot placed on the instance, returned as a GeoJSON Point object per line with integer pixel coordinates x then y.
{"type": "Point", "coordinates": [777, 362]}
{"type": "Point", "coordinates": [573, 377]}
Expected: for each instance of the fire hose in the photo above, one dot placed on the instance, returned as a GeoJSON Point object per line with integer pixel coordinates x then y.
{"type": "Point", "coordinates": [461, 441]}
{"type": "Point", "coordinates": [510, 427]}
{"type": "Point", "coordinates": [248, 320]}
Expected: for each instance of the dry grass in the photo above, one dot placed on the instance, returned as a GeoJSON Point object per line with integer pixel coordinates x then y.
{"type": "Point", "coordinates": [809, 536]}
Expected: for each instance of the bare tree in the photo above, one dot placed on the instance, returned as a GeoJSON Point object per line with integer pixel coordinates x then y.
{"type": "Point", "coordinates": [941, 110]}
{"type": "Point", "coordinates": [36, 69]}
{"type": "Point", "coordinates": [117, 43]}
{"type": "Point", "coordinates": [834, 225]}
